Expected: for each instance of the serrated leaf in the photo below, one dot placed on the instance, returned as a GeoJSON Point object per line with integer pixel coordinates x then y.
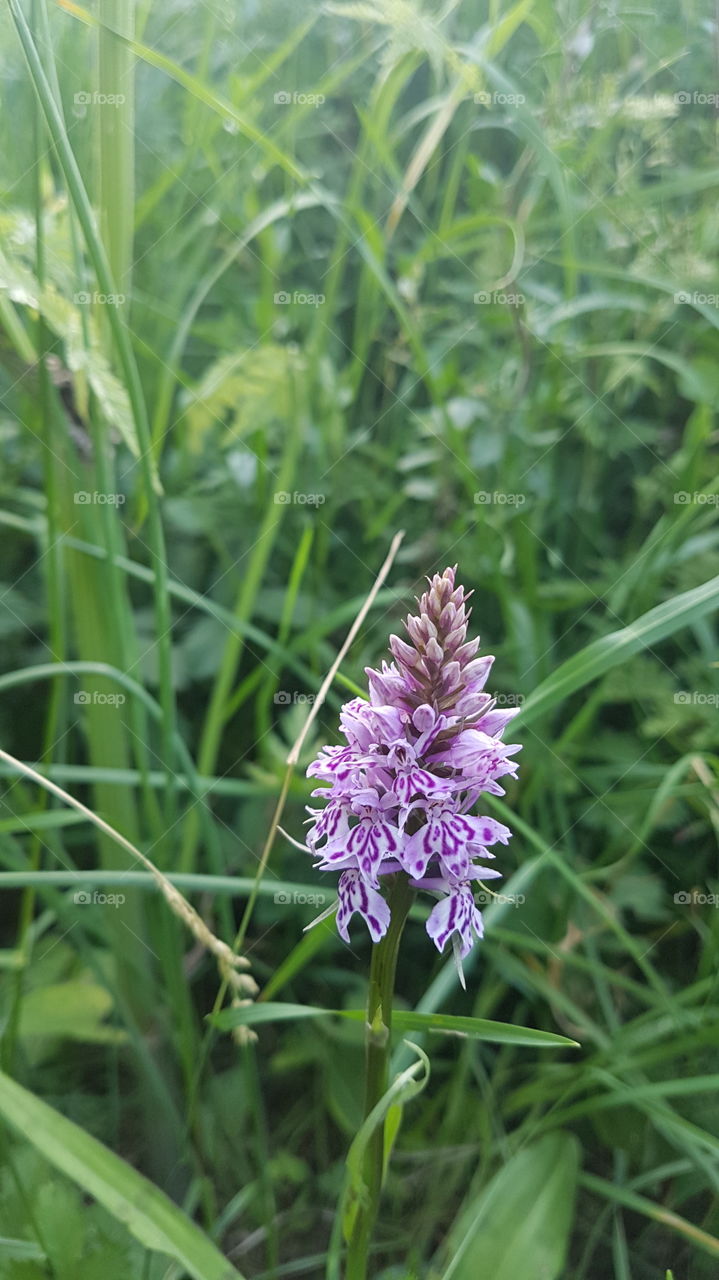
{"type": "Point", "coordinates": [63, 318]}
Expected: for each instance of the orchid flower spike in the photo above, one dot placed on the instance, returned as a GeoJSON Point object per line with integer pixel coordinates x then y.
{"type": "Point", "coordinates": [416, 757]}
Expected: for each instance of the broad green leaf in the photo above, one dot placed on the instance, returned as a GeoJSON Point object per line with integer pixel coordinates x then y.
{"type": "Point", "coordinates": [519, 1224]}
{"type": "Point", "coordinates": [71, 1010]}
{"type": "Point", "coordinates": [402, 1020]}
{"type": "Point", "coordinates": [144, 1210]}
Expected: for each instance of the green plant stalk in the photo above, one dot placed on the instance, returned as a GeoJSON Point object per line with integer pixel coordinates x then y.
{"type": "Point", "coordinates": [377, 1050]}
{"type": "Point", "coordinates": [113, 542]}
{"type": "Point", "coordinates": [271, 682]}
{"type": "Point", "coordinates": [130, 373]}
{"type": "Point", "coordinates": [108, 748]}
{"type": "Point", "coordinates": [115, 138]}
{"type": "Point", "coordinates": [115, 169]}
{"type": "Point", "coordinates": [56, 610]}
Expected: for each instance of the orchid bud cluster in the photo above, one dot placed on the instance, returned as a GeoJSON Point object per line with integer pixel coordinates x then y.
{"type": "Point", "coordinates": [418, 756]}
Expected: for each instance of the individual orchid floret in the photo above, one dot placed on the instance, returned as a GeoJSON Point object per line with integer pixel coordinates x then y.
{"type": "Point", "coordinates": [416, 759]}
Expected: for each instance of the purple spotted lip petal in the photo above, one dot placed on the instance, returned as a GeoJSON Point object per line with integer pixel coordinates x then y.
{"type": "Point", "coordinates": [356, 895]}
{"type": "Point", "coordinates": [416, 758]}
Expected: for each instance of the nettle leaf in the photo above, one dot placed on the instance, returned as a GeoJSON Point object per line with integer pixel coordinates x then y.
{"type": "Point", "coordinates": [245, 391]}
{"type": "Point", "coordinates": [78, 1239]}
{"type": "Point", "coordinates": [64, 319]}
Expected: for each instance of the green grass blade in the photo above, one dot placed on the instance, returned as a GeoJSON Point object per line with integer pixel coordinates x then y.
{"type": "Point", "coordinates": [607, 652]}
{"type": "Point", "coordinates": [141, 1207]}
{"type": "Point", "coordinates": [641, 1204]}
{"type": "Point", "coordinates": [402, 1020]}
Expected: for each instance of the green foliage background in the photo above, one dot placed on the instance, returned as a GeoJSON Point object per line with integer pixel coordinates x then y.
{"type": "Point", "coordinates": [278, 280]}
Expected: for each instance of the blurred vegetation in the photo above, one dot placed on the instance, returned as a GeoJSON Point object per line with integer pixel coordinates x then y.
{"type": "Point", "coordinates": [450, 269]}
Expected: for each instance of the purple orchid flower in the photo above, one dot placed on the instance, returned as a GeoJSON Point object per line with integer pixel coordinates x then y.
{"type": "Point", "coordinates": [418, 755]}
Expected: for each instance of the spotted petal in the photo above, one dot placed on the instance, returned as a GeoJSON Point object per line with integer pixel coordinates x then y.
{"type": "Point", "coordinates": [355, 895]}
{"type": "Point", "coordinates": [447, 836]}
{"type": "Point", "coordinates": [371, 841]}
{"type": "Point", "coordinates": [457, 913]}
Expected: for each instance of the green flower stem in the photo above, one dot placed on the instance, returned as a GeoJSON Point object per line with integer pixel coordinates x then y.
{"type": "Point", "coordinates": [378, 1028]}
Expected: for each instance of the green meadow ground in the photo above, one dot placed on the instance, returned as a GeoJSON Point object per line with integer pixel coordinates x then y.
{"type": "Point", "coordinates": [277, 281]}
